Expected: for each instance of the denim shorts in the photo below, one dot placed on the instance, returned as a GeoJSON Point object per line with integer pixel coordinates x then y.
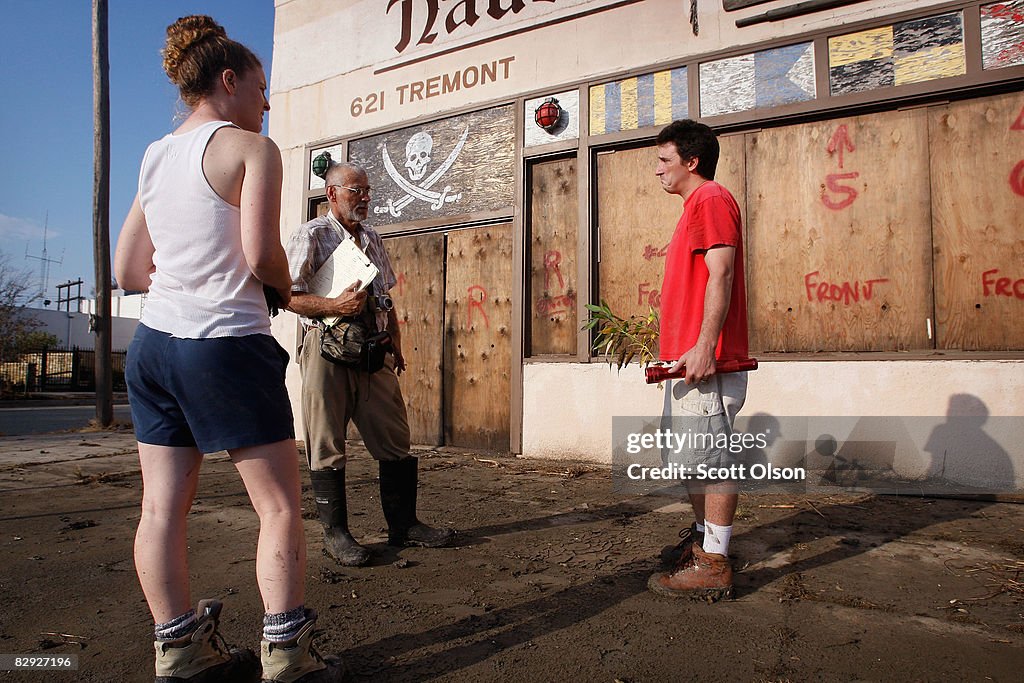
{"type": "Point", "coordinates": [212, 394]}
{"type": "Point", "coordinates": [707, 411]}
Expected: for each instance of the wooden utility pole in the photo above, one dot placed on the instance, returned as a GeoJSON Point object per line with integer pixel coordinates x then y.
{"type": "Point", "coordinates": [101, 211]}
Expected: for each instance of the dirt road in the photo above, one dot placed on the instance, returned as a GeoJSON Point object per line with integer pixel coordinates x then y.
{"type": "Point", "coordinates": [548, 582]}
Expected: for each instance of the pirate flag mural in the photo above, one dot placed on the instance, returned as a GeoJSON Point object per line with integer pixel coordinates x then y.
{"type": "Point", "coordinates": [452, 167]}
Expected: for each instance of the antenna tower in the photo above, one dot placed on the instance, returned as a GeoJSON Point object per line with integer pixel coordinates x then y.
{"type": "Point", "coordinates": [44, 261]}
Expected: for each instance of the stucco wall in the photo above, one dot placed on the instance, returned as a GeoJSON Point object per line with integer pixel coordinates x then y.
{"type": "Point", "coordinates": [568, 407]}
{"type": "Point", "coordinates": [327, 52]}
{"type": "Point", "coordinates": [72, 329]}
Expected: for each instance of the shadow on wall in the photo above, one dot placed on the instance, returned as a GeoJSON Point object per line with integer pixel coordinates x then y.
{"type": "Point", "coordinates": [964, 452]}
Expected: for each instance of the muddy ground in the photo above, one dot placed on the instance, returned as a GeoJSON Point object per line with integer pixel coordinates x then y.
{"type": "Point", "coordinates": [548, 582]}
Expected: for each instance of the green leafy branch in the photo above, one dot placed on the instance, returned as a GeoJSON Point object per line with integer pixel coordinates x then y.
{"type": "Point", "coordinates": [620, 340]}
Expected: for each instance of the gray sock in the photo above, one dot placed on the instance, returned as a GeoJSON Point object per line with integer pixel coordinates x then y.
{"type": "Point", "coordinates": [278, 628]}
{"type": "Point", "coordinates": [178, 627]}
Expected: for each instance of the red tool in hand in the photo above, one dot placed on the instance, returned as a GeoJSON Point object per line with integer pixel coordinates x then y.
{"type": "Point", "coordinates": [659, 373]}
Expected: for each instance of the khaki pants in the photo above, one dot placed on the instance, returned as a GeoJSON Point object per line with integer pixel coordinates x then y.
{"type": "Point", "coordinates": [332, 395]}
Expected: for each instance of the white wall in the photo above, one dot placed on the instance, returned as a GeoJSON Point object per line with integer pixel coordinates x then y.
{"type": "Point", "coordinates": [121, 305]}
{"type": "Point", "coordinates": [568, 407]}
{"type": "Point", "coordinates": [72, 329]}
{"type": "Point", "coordinates": [327, 52]}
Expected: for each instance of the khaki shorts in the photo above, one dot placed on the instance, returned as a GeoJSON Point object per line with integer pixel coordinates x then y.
{"type": "Point", "coordinates": [706, 410]}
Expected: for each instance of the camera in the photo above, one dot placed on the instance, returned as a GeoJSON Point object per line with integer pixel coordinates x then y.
{"type": "Point", "coordinates": [381, 302]}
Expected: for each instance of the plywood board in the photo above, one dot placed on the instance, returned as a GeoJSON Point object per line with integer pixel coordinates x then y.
{"type": "Point", "coordinates": [839, 235]}
{"type": "Point", "coordinates": [636, 219]}
{"type": "Point", "coordinates": [477, 343]}
{"type": "Point", "coordinates": [320, 207]}
{"type": "Point", "coordinates": [553, 231]}
{"type": "Point", "coordinates": [418, 262]}
{"type": "Point", "coordinates": [732, 170]}
{"type": "Point", "coordinates": [977, 171]}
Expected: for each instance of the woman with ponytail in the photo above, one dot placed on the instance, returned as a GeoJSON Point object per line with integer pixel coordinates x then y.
{"type": "Point", "coordinates": [204, 373]}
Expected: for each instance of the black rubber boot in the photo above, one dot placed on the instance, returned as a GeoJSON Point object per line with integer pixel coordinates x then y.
{"type": "Point", "coordinates": [399, 481]}
{"type": "Point", "coordinates": [329, 493]}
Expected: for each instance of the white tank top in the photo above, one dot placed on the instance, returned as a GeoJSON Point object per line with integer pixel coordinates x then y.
{"type": "Point", "coordinates": [202, 286]}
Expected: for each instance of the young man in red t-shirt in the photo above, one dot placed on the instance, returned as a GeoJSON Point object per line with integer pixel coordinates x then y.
{"type": "Point", "coordinates": [703, 320]}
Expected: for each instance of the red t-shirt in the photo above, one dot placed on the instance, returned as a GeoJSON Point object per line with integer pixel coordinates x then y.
{"type": "Point", "coordinates": [711, 217]}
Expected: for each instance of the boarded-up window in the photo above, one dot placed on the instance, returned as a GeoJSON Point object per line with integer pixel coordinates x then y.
{"type": "Point", "coordinates": [910, 51]}
{"type": "Point", "coordinates": [554, 216]}
{"type": "Point", "coordinates": [1002, 34]}
{"type": "Point", "coordinates": [839, 235]}
{"type": "Point", "coordinates": [636, 220]}
{"type": "Point", "coordinates": [318, 206]}
{"type": "Point", "coordinates": [977, 174]}
{"type": "Point", "coordinates": [418, 262]}
{"type": "Point", "coordinates": [478, 321]}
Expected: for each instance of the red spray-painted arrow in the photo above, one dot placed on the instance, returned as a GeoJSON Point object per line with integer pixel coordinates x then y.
{"type": "Point", "coordinates": [840, 140]}
{"type": "Point", "coordinates": [1019, 123]}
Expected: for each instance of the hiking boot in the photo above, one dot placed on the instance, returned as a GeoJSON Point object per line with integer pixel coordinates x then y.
{"type": "Point", "coordinates": [707, 576]}
{"type": "Point", "coordinates": [297, 661]}
{"type": "Point", "coordinates": [680, 553]}
{"type": "Point", "coordinates": [203, 656]}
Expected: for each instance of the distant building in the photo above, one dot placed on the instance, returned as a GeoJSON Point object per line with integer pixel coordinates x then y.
{"type": "Point", "coordinates": [72, 329]}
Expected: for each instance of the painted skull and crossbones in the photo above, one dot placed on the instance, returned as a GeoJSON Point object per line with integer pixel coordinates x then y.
{"type": "Point", "coordinates": [417, 154]}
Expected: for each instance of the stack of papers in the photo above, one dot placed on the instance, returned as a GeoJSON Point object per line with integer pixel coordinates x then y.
{"type": "Point", "coordinates": [347, 264]}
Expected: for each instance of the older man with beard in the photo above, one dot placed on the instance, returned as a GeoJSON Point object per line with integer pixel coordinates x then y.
{"type": "Point", "coordinates": [333, 394]}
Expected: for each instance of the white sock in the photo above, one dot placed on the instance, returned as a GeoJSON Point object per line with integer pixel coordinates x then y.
{"type": "Point", "coordinates": [716, 538]}
{"type": "Point", "coordinates": [176, 628]}
{"type": "Point", "coordinates": [700, 527]}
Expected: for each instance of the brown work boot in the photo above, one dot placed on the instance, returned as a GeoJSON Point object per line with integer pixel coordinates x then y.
{"type": "Point", "coordinates": [297, 661]}
{"type": "Point", "coordinates": [680, 553]}
{"type": "Point", "coordinates": [707, 576]}
{"type": "Point", "coordinates": [203, 656]}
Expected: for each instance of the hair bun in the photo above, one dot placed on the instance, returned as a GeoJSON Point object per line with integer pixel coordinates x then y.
{"type": "Point", "coordinates": [182, 35]}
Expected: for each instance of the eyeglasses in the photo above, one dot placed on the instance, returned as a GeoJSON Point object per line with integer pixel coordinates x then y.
{"type": "Point", "coordinates": [358, 191]}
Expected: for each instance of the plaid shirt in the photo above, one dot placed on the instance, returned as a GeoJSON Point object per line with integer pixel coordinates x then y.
{"type": "Point", "coordinates": [313, 242]}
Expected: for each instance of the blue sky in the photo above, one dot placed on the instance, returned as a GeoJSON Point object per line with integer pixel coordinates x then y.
{"type": "Point", "coordinates": [46, 117]}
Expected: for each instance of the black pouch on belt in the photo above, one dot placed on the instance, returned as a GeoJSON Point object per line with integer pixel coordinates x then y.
{"type": "Point", "coordinates": [348, 342]}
